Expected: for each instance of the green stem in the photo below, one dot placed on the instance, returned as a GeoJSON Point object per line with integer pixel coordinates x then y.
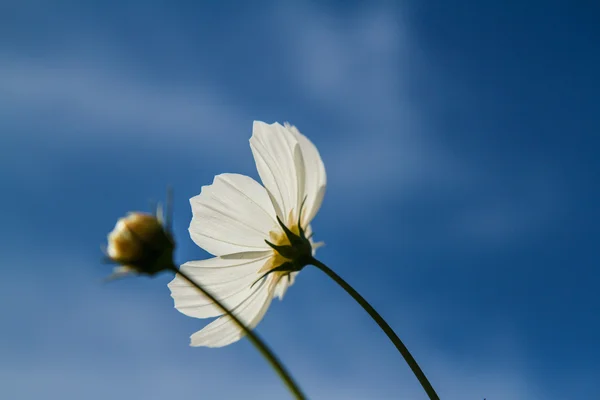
{"type": "Point", "coordinates": [260, 345]}
{"type": "Point", "coordinates": [383, 325]}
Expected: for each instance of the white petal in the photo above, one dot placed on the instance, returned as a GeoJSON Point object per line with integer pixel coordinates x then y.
{"type": "Point", "coordinates": [228, 278]}
{"type": "Point", "coordinates": [315, 179]}
{"type": "Point", "coordinates": [283, 284]}
{"type": "Point", "coordinates": [224, 331]}
{"type": "Point", "coordinates": [291, 169]}
{"type": "Point", "coordinates": [232, 215]}
{"type": "Point", "coordinates": [280, 165]}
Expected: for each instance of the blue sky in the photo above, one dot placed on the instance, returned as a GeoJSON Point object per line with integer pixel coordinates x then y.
{"type": "Point", "coordinates": [461, 148]}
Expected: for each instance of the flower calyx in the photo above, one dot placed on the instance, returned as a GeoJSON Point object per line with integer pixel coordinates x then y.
{"type": "Point", "coordinates": [298, 252]}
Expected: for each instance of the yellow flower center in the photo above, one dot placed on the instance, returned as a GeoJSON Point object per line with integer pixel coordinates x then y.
{"type": "Point", "coordinates": [278, 238]}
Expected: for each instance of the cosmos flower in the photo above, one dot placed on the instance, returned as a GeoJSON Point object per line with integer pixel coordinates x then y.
{"type": "Point", "coordinates": [260, 235]}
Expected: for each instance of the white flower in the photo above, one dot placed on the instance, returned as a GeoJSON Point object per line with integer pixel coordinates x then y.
{"type": "Point", "coordinates": [236, 220]}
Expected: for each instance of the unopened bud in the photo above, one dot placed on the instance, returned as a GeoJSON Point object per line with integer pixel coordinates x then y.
{"type": "Point", "coordinates": [140, 244]}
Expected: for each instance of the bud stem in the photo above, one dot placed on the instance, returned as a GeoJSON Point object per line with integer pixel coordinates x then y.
{"type": "Point", "coordinates": [260, 345]}
{"type": "Point", "coordinates": [383, 325]}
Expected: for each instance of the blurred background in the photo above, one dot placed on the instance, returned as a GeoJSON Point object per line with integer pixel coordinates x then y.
{"type": "Point", "coordinates": [461, 146]}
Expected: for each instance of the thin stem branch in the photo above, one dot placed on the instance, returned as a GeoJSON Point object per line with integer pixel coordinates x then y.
{"type": "Point", "coordinates": [253, 337]}
{"type": "Point", "coordinates": [383, 325]}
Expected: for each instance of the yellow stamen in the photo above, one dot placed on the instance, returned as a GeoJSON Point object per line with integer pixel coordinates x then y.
{"type": "Point", "coordinates": [279, 238]}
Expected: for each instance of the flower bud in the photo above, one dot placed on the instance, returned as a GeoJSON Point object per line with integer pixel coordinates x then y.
{"type": "Point", "coordinates": [140, 244]}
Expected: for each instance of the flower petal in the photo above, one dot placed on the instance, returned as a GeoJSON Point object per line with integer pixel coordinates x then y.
{"type": "Point", "coordinates": [224, 331]}
{"type": "Point", "coordinates": [315, 179]}
{"type": "Point", "coordinates": [232, 215]}
{"type": "Point", "coordinates": [291, 169]}
{"type": "Point", "coordinates": [228, 278]}
{"type": "Point", "coordinates": [283, 284]}
{"type": "Point", "coordinates": [280, 165]}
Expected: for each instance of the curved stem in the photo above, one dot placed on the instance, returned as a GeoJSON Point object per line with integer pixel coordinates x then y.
{"type": "Point", "coordinates": [383, 325]}
{"type": "Point", "coordinates": [253, 337]}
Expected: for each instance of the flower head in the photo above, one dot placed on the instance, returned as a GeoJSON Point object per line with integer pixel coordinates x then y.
{"type": "Point", "coordinates": [260, 235]}
{"type": "Point", "coordinates": [140, 244]}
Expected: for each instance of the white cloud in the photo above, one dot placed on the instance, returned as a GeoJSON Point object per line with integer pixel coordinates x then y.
{"type": "Point", "coordinates": [353, 68]}
{"type": "Point", "coordinates": [364, 69]}
{"type": "Point", "coordinates": [358, 70]}
{"type": "Point", "coordinates": [106, 105]}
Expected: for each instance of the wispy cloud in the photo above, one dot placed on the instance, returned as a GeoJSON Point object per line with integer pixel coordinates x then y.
{"type": "Point", "coordinates": [364, 71]}
{"type": "Point", "coordinates": [359, 69]}
{"type": "Point", "coordinates": [353, 70]}
{"type": "Point", "coordinates": [112, 104]}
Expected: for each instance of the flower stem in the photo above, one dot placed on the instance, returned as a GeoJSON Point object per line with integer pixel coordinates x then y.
{"type": "Point", "coordinates": [260, 345]}
{"type": "Point", "coordinates": [383, 325]}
